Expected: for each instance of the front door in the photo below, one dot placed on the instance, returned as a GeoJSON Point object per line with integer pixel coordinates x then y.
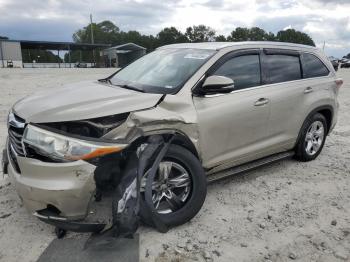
{"type": "Point", "coordinates": [233, 127]}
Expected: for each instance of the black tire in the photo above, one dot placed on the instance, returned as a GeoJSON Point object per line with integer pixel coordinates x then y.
{"type": "Point", "coordinates": [300, 149]}
{"type": "Point", "coordinates": [198, 193]}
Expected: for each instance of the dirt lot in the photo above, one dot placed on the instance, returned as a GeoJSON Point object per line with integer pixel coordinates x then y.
{"type": "Point", "coordinates": [284, 211]}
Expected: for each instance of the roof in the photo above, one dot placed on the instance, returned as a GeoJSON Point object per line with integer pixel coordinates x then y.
{"type": "Point", "coordinates": [127, 47]}
{"type": "Point", "coordinates": [221, 45]}
{"type": "Point", "coordinates": [50, 45]}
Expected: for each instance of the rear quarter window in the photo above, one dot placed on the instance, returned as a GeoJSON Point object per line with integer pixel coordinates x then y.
{"type": "Point", "coordinates": [282, 68]}
{"type": "Point", "coordinates": [313, 66]}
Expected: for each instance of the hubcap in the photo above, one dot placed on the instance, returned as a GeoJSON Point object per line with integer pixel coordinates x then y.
{"type": "Point", "coordinates": [171, 187]}
{"type": "Point", "coordinates": [314, 138]}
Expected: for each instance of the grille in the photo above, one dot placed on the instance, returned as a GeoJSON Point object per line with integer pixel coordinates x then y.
{"type": "Point", "coordinates": [13, 158]}
{"type": "Point", "coordinates": [15, 129]}
{"type": "Point", "coordinates": [16, 134]}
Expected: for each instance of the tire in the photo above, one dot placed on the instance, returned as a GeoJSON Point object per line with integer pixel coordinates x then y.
{"type": "Point", "coordinates": [302, 151]}
{"type": "Point", "coordinates": [198, 191]}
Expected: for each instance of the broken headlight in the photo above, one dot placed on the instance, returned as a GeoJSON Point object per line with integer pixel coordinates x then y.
{"type": "Point", "coordinates": [63, 148]}
{"type": "Point", "coordinates": [92, 128]}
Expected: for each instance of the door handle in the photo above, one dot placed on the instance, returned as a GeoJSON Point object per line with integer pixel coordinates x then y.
{"type": "Point", "coordinates": [308, 90]}
{"type": "Point", "coordinates": [261, 101]}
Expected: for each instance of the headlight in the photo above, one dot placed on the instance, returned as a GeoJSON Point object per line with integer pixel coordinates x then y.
{"type": "Point", "coordinates": [60, 147]}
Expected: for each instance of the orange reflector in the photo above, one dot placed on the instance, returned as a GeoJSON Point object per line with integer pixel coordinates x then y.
{"type": "Point", "coordinates": [98, 152]}
{"type": "Point", "coordinates": [339, 82]}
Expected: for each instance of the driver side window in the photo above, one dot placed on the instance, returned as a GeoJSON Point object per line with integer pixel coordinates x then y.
{"type": "Point", "coordinates": [244, 70]}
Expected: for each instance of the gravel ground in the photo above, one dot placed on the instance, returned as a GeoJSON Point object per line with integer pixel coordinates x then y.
{"type": "Point", "coordinates": [285, 211]}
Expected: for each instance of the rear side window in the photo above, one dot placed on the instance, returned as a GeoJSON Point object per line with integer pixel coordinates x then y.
{"type": "Point", "coordinates": [313, 66]}
{"type": "Point", "coordinates": [243, 70]}
{"type": "Point", "coordinates": [282, 68]}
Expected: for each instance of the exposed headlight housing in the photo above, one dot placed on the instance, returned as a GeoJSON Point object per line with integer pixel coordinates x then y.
{"type": "Point", "coordinates": [90, 128]}
{"type": "Point", "coordinates": [63, 148]}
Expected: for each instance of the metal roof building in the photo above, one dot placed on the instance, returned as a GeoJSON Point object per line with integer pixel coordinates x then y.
{"type": "Point", "coordinates": [11, 50]}
{"type": "Point", "coordinates": [121, 55]}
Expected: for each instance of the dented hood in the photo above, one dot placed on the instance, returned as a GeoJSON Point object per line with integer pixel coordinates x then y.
{"type": "Point", "coordinates": [82, 100]}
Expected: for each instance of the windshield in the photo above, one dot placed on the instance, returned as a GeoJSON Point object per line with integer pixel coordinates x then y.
{"type": "Point", "coordinates": [163, 71]}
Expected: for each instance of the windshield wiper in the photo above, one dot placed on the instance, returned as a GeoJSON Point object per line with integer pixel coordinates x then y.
{"type": "Point", "coordinates": [131, 88]}
{"type": "Point", "coordinates": [108, 80]}
{"type": "Point", "coordinates": [105, 80]}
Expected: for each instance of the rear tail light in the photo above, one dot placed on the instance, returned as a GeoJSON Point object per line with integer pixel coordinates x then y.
{"type": "Point", "coordinates": [339, 82]}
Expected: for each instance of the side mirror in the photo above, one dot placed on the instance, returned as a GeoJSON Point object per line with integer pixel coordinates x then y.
{"type": "Point", "coordinates": [217, 84]}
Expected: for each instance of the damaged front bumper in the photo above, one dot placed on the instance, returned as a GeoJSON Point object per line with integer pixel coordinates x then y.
{"type": "Point", "coordinates": [60, 194]}
{"type": "Point", "coordinates": [65, 187]}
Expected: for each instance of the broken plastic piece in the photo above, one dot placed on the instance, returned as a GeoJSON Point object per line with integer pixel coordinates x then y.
{"type": "Point", "coordinates": [126, 204]}
{"type": "Point", "coordinates": [51, 218]}
{"type": "Point", "coordinates": [156, 220]}
{"type": "Point", "coordinates": [60, 233]}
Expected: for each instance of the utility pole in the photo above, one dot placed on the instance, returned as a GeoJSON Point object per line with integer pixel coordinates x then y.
{"type": "Point", "coordinates": [324, 44]}
{"type": "Point", "coordinates": [2, 55]}
{"type": "Point", "coordinates": [92, 31]}
{"type": "Point", "coordinates": [92, 40]}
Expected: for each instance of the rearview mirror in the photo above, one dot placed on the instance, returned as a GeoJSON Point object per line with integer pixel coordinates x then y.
{"type": "Point", "coordinates": [217, 84]}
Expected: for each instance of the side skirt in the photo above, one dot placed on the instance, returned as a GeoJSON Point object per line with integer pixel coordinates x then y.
{"type": "Point", "coordinates": [249, 166]}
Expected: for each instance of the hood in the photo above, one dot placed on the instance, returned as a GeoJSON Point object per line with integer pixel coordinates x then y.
{"type": "Point", "coordinates": [82, 100]}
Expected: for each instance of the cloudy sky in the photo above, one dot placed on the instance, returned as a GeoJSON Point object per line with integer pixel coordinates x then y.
{"type": "Point", "coordinates": [323, 20]}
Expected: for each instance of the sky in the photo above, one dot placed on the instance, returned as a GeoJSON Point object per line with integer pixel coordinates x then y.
{"type": "Point", "coordinates": [56, 20]}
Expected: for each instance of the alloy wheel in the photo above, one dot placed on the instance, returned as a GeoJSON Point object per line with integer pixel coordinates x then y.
{"type": "Point", "coordinates": [314, 138]}
{"type": "Point", "coordinates": [171, 188]}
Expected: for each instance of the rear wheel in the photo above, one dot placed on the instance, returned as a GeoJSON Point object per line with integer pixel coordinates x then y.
{"type": "Point", "coordinates": [312, 138]}
{"type": "Point", "coordinates": [179, 188]}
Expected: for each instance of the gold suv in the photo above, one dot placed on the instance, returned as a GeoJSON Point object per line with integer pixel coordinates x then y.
{"type": "Point", "coordinates": [230, 107]}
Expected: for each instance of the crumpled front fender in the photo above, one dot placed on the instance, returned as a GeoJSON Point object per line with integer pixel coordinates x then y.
{"type": "Point", "coordinates": [172, 115]}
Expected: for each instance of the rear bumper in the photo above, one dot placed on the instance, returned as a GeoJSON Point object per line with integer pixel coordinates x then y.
{"type": "Point", "coordinates": [69, 187]}
{"type": "Point", "coordinates": [335, 117]}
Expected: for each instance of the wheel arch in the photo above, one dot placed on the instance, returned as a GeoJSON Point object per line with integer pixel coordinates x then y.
{"type": "Point", "coordinates": [326, 110]}
{"type": "Point", "coordinates": [180, 139]}
{"type": "Point", "coordinates": [328, 114]}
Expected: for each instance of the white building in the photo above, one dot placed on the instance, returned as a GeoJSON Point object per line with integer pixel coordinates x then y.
{"type": "Point", "coordinates": [10, 53]}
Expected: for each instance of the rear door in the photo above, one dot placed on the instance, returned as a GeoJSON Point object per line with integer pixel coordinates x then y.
{"type": "Point", "coordinates": [290, 93]}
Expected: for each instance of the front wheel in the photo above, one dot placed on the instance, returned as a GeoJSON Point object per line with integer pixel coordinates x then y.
{"type": "Point", "coordinates": [312, 138]}
{"type": "Point", "coordinates": [179, 189]}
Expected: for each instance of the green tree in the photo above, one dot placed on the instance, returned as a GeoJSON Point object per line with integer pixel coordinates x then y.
{"type": "Point", "coordinates": [108, 27]}
{"type": "Point", "coordinates": [293, 36]}
{"type": "Point", "coordinates": [239, 34]}
{"type": "Point", "coordinates": [200, 33]}
{"type": "Point", "coordinates": [170, 35]}
{"type": "Point", "coordinates": [4, 37]}
{"type": "Point", "coordinates": [220, 38]}
{"type": "Point", "coordinates": [106, 32]}
{"type": "Point", "coordinates": [250, 34]}
{"type": "Point", "coordinates": [258, 34]}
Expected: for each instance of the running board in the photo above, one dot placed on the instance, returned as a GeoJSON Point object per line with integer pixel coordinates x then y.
{"type": "Point", "coordinates": [249, 166]}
